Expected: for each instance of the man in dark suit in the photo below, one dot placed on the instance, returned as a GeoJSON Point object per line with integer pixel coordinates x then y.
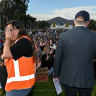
{"type": "Point", "coordinates": [75, 51]}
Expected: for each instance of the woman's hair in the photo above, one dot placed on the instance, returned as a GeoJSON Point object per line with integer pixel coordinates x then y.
{"type": "Point", "coordinates": [18, 25]}
{"type": "Point", "coordinates": [22, 31]}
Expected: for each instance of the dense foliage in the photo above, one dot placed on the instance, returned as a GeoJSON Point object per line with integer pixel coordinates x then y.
{"type": "Point", "coordinates": [92, 25]}
{"type": "Point", "coordinates": [15, 9]}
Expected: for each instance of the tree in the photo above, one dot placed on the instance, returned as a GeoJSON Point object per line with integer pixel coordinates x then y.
{"type": "Point", "coordinates": [29, 22]}
{"type": "Point", "coordinates": [66, 25]}
{"type": "Point", "coordinates": [92, 25]}
{"type": "Point", "coordinates": [53, 24]}
{"type": "Point", "coordinates": [43, 24]}
{"type": "Point", "coordinates": [13, 9]}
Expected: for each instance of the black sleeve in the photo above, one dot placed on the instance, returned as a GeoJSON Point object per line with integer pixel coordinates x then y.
{"type": "Point", "coordinates": [21, 48]}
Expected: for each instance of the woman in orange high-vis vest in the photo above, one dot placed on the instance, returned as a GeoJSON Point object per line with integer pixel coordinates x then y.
{"type": "Point", "coordinates": [19, 60]}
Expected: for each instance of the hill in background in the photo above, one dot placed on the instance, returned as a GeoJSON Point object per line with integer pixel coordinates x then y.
{"type": "Point", "coordinates": [60, 21]}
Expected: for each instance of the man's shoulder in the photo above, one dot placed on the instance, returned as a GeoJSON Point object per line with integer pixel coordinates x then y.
{"type": "Point", "coordinates": [65, 32]}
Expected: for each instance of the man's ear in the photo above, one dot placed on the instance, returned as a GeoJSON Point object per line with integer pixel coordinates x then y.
{"type": "Point", "coordinates": [87, 23]}
{"type": "Point", "coordinates": [74, 22]}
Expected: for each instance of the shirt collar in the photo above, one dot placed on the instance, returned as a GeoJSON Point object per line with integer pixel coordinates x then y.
{"type": "Point", "coordinates": [80, 25]}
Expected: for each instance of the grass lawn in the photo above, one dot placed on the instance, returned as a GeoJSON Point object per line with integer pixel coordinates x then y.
{"type": "Point", "coordinates": [47, 89]}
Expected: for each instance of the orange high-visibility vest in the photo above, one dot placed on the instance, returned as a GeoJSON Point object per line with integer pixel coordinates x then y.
{"type": "Point", "coordinates": [21, 72]}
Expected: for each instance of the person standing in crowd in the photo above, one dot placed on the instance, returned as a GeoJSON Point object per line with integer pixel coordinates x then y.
{"type": "Point", "coordinates": [74, 54]}
{"type": "Point", "coordinates": [19, 60]}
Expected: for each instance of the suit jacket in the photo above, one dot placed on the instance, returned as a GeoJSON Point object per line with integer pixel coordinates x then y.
{"type": "Point", "coordinates": [75, 51]}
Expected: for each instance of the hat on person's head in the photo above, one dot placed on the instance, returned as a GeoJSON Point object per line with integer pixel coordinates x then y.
{"type": "Point", "coordinates": [82, 16]}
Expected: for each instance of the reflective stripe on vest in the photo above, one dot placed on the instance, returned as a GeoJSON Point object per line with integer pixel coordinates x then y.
{"type": "Point", "coordinates": [17, 74]}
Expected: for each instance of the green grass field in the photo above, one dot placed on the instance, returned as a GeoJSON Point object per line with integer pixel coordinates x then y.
{"type": "Point", "coordinates": [48, 89]}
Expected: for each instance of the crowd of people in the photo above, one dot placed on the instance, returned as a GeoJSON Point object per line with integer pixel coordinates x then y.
{"type": "Point", "coordinates": [45, 43]}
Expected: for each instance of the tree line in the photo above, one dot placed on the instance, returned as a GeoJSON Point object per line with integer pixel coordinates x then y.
{"type": "Point", "coordinates": [16, 9]}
